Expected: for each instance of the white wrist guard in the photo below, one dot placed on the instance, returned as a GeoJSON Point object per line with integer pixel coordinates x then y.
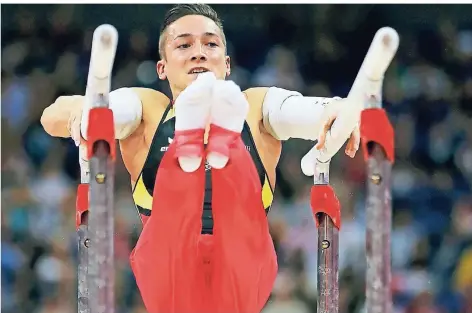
{"type": "Point", "coordinates": [127, 113]}
{"type": "Point", "coordinates": [288, 114]}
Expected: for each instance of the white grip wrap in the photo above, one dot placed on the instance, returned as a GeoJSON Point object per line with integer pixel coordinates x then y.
{"type": "Point", "coordinates": [127, 113]}
{"type": "Point", "coordinates": [287, 114]}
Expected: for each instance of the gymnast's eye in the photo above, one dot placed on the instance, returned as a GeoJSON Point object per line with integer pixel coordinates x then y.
{"type": "Point", "coordinates": [213, 44]}
{"type": "Point", "coordinates": [183, 46]}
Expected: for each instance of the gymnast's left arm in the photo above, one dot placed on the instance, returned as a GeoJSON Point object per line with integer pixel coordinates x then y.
{"type": "Point", "coordinates": [288, 114]}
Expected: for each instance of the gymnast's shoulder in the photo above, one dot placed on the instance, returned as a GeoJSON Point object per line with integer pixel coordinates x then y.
{"type": "Point", "coordinates": [153, 102]}
{"type": "Point", "coordinates": [151, 97]}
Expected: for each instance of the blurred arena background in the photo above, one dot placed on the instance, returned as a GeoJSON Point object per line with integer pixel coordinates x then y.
{"type": "Point", "coordinates": [315, 49]}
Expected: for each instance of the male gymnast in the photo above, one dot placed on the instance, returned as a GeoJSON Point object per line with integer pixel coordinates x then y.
{"type": "Point", "coordinates": [202, 168]}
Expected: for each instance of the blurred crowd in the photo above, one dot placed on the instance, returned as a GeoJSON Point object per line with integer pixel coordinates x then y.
{"type": "Point", "coordinates": [314, 49]}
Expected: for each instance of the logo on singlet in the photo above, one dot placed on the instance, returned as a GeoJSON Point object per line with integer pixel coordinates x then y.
{"type": "Point", "coordinates": [164, 149]}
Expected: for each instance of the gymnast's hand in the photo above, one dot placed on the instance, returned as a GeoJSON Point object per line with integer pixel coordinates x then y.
{"type": "Point", "coordinates": [330, 116]}
{"type": "Point", "coordinates": [75, 117]}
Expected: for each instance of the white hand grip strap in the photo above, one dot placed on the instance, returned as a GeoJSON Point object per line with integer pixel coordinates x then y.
{"type": "Point", "coordinates": [378, 58]}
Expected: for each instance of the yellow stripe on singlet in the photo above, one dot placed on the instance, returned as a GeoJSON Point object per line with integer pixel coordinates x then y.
{"type": "Point", "coordinates": [170, 114]}
{"type": "Point", "coordinates": [267, 194]}
{"type": "Point", "coordinates": [141, 196]}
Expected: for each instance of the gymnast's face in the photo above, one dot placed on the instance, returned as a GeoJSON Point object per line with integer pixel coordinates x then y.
{"type": "Point", "coordinates": [192, 44]}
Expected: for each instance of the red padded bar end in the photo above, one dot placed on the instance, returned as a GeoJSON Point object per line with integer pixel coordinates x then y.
{"type": "Point", "coordinates": [324, 200]}
{"type": "Point", "coordinates": [376, 127]}
{"type": "Point", "coordinates": [101, 127]}
{"type": "Point", "coordinates": [81, 203]}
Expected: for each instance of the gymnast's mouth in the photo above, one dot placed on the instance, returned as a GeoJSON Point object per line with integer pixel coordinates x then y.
{"type": "Point", "coordinates": [198, 70]}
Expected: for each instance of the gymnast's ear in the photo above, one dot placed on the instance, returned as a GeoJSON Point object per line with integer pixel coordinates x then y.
{"type": "Point", "coordinates": [228, 66]}
{"type": "Point", "coordinates": [161, 69]}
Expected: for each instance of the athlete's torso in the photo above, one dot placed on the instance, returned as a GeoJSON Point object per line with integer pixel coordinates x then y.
{"type": "Point", "coordinates": [164, 134]}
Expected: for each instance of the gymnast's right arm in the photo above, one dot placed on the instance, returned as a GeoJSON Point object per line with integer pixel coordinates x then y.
{"type": "Point", "coordinates": [67, 117]}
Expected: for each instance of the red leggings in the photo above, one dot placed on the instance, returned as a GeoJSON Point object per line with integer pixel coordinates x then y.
{"type": "Point", "coordinates": [179, 270]}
